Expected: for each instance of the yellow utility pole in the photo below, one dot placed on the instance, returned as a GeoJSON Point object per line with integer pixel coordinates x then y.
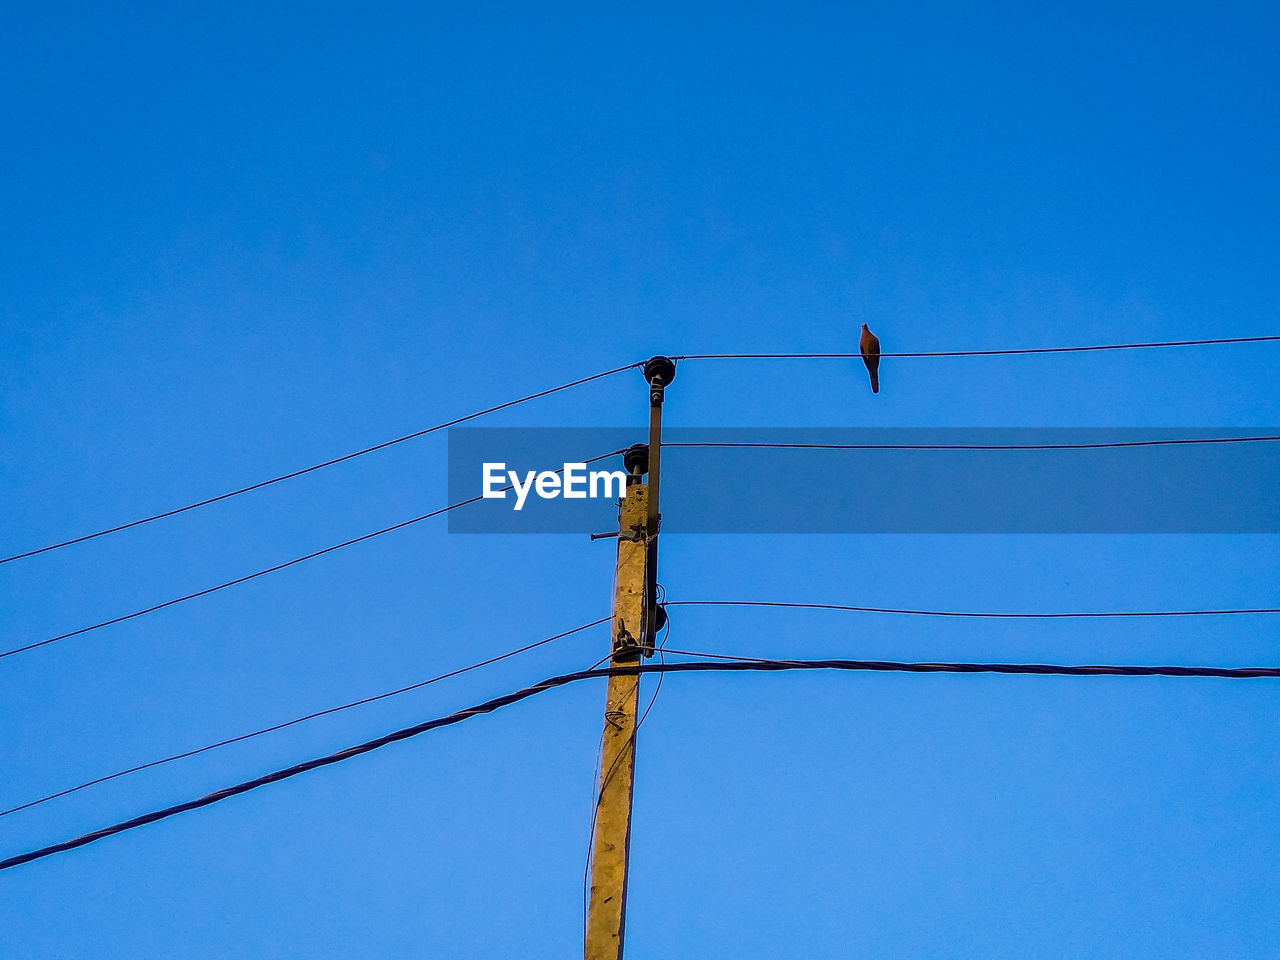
{"type": "Point", "coordinates": [611, 846]}
{"type": "Point", "coordinates": [634, 625]}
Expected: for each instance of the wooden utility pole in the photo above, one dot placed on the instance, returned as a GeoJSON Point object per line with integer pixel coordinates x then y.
{"type": "Point", "coordinates": [611, 846]}
{"type": "Point", "coordinates": [634, 625]}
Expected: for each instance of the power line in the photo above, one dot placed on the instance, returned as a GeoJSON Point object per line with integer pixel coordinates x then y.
{"type": "Point", "coordinates": [895, 666]}
{"type": "Point", "coordinates": [279, 566]}
{"type": "Point", "coordinates": [966, 446]}
{"type": "Point", "coordinates": [607, 373]}
{"type": "Point", "coordinates": [975, 615]}
{"type": "Point", "coordinates": [973, 353]}
{"type": "Point", "coordinates": [303, 719]}
{"type": "Point", "coordinates": [318, 466]}
{"type": "Point", "coordinates": [238, 580]}
{"type": "Point", "coordinates": [719, 665]}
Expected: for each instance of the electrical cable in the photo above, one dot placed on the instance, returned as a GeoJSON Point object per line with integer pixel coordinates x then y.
{"type": "Point", "coordinates": [973, 353]}
{"type": "Point", "coordinates": [279, 566]}
{"type": "Point", "coordinates": [607, 373]}
{"type": "Point", "coordinates": [737, 603]}
{"type": "Point", "coordinates": [974, 615]}
{"type": "Point", "coordinates": [728, 665]}
{"type": "Point", "coordinates": [965, 446]}
{"type": "Point", "coordinates": [302, 719]}
{"type": "Point", "coordinates": [318, 466]}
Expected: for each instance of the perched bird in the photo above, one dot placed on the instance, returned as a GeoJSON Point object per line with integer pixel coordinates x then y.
{"type": "Point", "coordinates": [869, 344]}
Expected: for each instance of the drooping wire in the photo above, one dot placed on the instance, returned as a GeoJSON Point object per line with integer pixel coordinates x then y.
{"type": "Point", "coordinates": [303, 719]}
{"type": "Point", "coordinates": [974, 353]}
{"type": "Point", "coordinates": [272, 569]}
{"type": "Point", "coordinates": [974, 615]}
{"type": "Point", "coordinates": [662, 650]}
{"type": "Point", "coordinates": [662, 658]}
{"type": "Point", "coordinates": [317, 466]}
{"type": "Point", "coordinates": [965, 446]}
{"type": "Point", "coordinates": [607, 373]}
{"type": "Point", "coordinates": [736, 664]}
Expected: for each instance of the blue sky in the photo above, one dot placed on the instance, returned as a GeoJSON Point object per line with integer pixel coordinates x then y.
{"type": "Point", "coordinates": [244, 240]}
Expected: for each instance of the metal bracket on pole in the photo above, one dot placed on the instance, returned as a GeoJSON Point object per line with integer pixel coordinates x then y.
{"type": "Point", "coordinates": [659, 372]}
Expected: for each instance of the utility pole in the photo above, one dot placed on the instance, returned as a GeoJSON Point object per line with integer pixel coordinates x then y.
{"type": "Point", "coordinates": [636, 618]}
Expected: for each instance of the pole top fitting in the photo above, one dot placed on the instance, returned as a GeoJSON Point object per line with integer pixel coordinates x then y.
{"type": "Point", "coordinates": [659, 371]}
{"type": "Point", "coordinates": [636, 459]}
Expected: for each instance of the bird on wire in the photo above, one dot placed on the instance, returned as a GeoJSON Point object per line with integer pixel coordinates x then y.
{"type": "Point", "coordinates": [869, 344]}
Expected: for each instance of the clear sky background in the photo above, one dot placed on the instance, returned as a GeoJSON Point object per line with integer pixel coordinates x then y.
{"type": "Point", "coordinates": [242, 240]}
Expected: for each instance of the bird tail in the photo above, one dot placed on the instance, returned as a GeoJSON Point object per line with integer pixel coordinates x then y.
{"type": "Point", "coordinates": [875, 383]}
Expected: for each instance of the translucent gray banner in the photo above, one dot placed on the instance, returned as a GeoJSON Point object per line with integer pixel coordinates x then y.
{"type": "Point", "coordinates": [906, 480]}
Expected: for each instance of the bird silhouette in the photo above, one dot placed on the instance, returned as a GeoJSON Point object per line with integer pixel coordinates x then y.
{"type": "Point", "coordinates": [869, 344]}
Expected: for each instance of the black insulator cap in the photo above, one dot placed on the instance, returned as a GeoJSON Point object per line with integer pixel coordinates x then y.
{"type": "Point", "coordinates": [659, 371]}
{"type": "Point", "coordinates": [659, 619]}
{"type": "Point", "coordinates": [636, 459]}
